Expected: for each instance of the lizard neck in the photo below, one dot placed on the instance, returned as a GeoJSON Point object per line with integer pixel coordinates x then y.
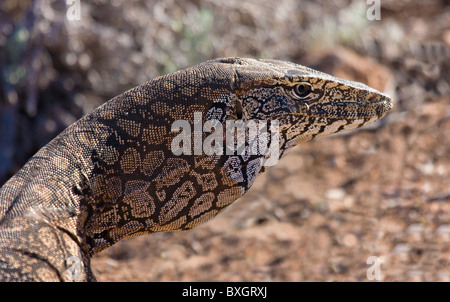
{"type": "Point", "coordinates": [39, 214]}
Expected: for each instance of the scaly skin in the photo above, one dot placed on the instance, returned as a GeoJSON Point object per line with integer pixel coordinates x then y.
{"type": "Point", "coordinates": [113, 175]}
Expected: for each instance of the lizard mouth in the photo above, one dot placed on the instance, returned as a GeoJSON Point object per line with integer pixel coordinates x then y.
{"type": "Point", "coordinates": [373, 106]}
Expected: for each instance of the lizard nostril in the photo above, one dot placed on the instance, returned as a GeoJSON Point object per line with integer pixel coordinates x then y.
{"type": "Point", "coordinates": [373, 99]}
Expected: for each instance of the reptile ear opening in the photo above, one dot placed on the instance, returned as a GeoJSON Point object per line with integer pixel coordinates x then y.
{"type": "Point", "coordinates": [239, 109]}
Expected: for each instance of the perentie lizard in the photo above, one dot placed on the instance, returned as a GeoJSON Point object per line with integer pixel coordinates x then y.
{"type": "Point", "coordinates": [113, 175]}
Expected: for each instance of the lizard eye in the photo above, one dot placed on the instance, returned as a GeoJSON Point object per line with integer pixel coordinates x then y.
{"type": "Point", "coordinates": [302, 90]}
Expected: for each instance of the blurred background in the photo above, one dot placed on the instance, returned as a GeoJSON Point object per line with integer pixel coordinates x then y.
{"type": "Point", "coordinates": [380, 191]}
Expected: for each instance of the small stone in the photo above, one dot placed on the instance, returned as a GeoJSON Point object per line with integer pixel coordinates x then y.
{"type": "Point", "coordinates": [336, 193]}
{"type": "Point", "coordinates": [349, 240]}
{"type": "Point", "coordinates": [427, 168]}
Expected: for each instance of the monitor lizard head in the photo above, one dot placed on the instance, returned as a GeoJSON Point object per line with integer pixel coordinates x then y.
{"type": "Point", "coordinates": [305, 102]}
